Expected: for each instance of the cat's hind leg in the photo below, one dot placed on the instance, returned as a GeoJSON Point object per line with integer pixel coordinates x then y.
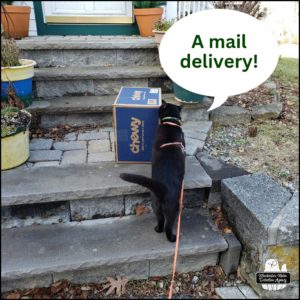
{"type": "Point", "coordinates": [156, 205]}
{"type": "Point", "coordinates": [170, 220]}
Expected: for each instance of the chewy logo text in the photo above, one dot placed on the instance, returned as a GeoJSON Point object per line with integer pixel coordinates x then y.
{"type": "Point", "coordinates": [135, 139]}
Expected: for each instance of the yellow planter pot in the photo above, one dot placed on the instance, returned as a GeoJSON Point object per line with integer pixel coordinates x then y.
{"type": "Point", "coordinates": [14, 150]}
{"type": "Point", "coordinates": [25, 71]}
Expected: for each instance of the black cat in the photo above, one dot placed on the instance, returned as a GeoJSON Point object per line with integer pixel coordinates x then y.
{"type": "Point", "coordinates": [168, 167]}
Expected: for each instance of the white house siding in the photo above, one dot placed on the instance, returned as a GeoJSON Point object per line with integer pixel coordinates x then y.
{"type": "Point", "coordinates": [32, 23]}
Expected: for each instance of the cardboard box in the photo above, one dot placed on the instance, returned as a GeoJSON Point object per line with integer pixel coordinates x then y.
{"type": "Point", "coordinates": [135, 123]}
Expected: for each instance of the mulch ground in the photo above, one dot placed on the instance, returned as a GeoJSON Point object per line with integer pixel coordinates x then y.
{"type": "Point", "coordinates": [193, 285]}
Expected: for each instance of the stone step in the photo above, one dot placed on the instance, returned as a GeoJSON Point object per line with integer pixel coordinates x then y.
{"type": "Point", "coordinates": [64, 51]}
{"type": "Point", "coordinates": [72, 192]}
{"type": "Point", "coordinates": [95, 81]}
{"type": "Point", "coordinates": [95, 110]}
{"type": "Point", "coordinates": [89, 251]}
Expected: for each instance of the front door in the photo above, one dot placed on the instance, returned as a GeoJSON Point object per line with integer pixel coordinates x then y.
{"type": "Point", "coordinates": [84, 17]}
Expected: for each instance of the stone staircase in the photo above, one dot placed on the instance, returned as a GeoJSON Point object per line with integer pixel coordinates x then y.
{"type": "Point", "coordinates": [77, 220]}
{"type": "Point", "coordinates": [77, 78]}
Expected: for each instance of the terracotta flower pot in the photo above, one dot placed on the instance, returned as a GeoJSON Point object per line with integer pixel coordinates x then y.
{"type": "Point", "coordinates": [146, 18]}
{"type": "Point", "coordinates": [158, 35]}
{"type": "Point", "coordinates": [15, 20]}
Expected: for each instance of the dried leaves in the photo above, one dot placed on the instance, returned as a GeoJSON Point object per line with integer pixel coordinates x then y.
{"type": "Point", "coordinates": [115, 285]}
{"type": "Point", "coordinates": [219, 220]}
{"type": "Point", "coordinates": [141, 210]}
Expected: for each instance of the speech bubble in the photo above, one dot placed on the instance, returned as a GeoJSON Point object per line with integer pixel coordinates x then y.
{"type": "Point", "coordinates": [219, 53]}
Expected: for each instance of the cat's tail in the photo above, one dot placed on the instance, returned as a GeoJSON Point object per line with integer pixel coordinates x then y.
{"type": "Point", "coordinates": [158, 188]}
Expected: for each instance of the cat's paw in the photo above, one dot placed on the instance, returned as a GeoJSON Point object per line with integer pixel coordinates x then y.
{"type": "Point", "coordinates": [171, 238]}
{"type": "Point", "coordinates": [159, 229]}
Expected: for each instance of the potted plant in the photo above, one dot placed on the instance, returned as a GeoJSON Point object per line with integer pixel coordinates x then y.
{"type": "Point", "coordinates": [160, 29]}
{"type": "Point", "coordinates": [15, 122]}
{"type": "Point", "coordinates": [147, 13]}
{"type": "Point", "coordinates": [16, 73]}
{"type": "Point", "coordinates": [186, 96]}
{"type": "Point", "coordinates": [15, 19]}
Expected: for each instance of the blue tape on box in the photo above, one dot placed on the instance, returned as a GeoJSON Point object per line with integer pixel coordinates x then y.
{"type": "Point", "coordinates": [135, 123]}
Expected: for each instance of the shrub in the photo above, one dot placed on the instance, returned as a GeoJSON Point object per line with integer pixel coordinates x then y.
{"type": "Point", "coordinates": [251, 8]}
{"type": "Point", "coordinates": [9, 53]}
{"type": "Point", "coordinates": [147, 4]}
{"type": "Point", "coordinates": [163, 25]}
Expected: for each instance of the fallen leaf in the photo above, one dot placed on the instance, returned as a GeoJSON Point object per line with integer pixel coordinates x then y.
{"type": "Point", "coordinates": [141, 210]}
{"type": "Point", "coordinates": [14, 295]}
{"type": "Point", "coordinates": [227, 230]}
{"type": "Point", "coordinates": [115, 285]}
{"type": "Point", "coordinates": [58, 286]}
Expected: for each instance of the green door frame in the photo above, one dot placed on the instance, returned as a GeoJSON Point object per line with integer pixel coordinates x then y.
{"type": "Point", "coordinates": [80, 29]}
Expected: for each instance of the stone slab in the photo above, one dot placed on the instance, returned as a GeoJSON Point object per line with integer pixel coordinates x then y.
{"type": "Point", "coordinates": [40, 144]}
{"type": "Point", "coordinates": [288, 232]}
{"type": "Point", "coordinates": [86, 42]}
{"type": "Point", "coordinates": [97, 208]}
{"type": "Point", "coordinates": [230, 115]}
{"type": "Point", "coordinates": [93, 135]}
{"type": "Point", "coordinates": [74, 182]}
{"type": "Point", "coordinates": [74, 157]}
{"type": "Point", "coordinates": [193, 263]}
{"type": "Point", "coordinates": [91, 72]}
{"type": "Point", "coordinates": [44, 155]}
{"type": "Point", "coordinates": [248, 292]}
{"type": "Point", "coordinates": [229, 259]}
{"type": "Point", "coordinates": [66, 146]}
{"type": "Point", "coordinates": [75, 104]}
{"type": "Point", "coordinates": [266, 111]}
{"type": "Point", "coordinates": [60, 88]}
{"type": "Point", "coordinates": [259, 200]}
{"type": "Point", "coordinates": [72, 136]}
{"type": "Point", "coordinates": [230, 293]}
{"type": "Point", "coordinates": [74, 246]}
{"type": "Point", "coordinates": [79, 119]}
{"type": "Point", "coordinates": [98, 146]}
{"type": "Point", "coordinates": [46, 163]}
{"type": "Point", "coordinates": [193, 146]}
{"type": "Point", "coordinates": [101, 157]}
{"type": "Point", "coordinates": [218, 170]}
{"type": "Point", "coordinates": [133, 270]}
{"type": "Point", "coordinates": [26, 283]}
{"type": "Point", "coordinates": [197, 130]}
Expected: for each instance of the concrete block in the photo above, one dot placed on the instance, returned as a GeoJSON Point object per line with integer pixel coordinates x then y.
{"type": "Point", "coordinates": [101, 157]}
{"type": "Point", "coordinates": [230, 115]}
{"type": "Point", "coordinates": [229, 259]}
{"type": "Point", "coordinates": [74, 157]}
{"type": "Point", "coordinates": [191, 263]}
{"type": "Point", "coordinates": [133, 270]}
{"type": "Point", "coordinates": [44, 155]}
{"type": "Point", "coordinates": [40, 144]}
{"type": "Point", "coordinates": [46, 164]}
{"type": "Point", "coordinates": [98, 146]}
{"type": "Point", "coordinates": [230, 293]}
{"type": "Point", "coordinates": [93, 135]}
{"type": "Point", "coordinates": [73, 145]}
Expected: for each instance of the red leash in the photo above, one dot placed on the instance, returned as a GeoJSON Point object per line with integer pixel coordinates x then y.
{"type": "Point", "coordinates": [177, 243]}
{"type": "Point", "coordinates": [179, 215]}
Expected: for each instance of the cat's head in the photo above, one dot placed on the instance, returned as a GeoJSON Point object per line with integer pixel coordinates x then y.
{"type": "Point", "coordinates": [168, 110]}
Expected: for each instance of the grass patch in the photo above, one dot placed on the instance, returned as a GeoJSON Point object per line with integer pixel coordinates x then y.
{"type": "Point", "coordinates": [287, 70]}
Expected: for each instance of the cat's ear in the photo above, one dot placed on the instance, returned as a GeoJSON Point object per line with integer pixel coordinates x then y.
{"type": "Point", "coordinates": [179, 108]}
{"type": "Point", "coordinates": [163, 104]}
